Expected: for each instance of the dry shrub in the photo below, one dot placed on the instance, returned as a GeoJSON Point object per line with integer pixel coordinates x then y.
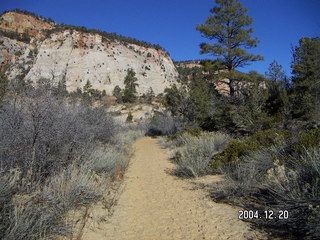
{"type": "Point", "coordinates": [42, 213]}
{"type": "Point", "coordinates": [52, 162]}
{"type": "Point", "coordinates": [108, 160]}
{"type": "Point", "coordinates": [274, 179]}
{"type": "Point", "coordinates": [38, 131]}
{"type": "Point", "coordinates": [164, 124]}
{"type": "Point", "coordinates": [196, 153]}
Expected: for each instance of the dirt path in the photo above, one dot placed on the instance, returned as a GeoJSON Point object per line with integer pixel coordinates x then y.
{"type": "Point", "coordinates": [156, 205]}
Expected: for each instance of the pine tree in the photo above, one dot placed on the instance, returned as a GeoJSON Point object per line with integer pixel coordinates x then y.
{"type": "Point", "coordinates": [228, 25]}
{"type": "Point", "coordinates": [275, 72]}
{"type": "Point", "coordinates": [306, 79]}
{"type": "Point", "coordinates": [278, 102]}
{"type": "Point", "coordinates": [61, 89]}
{"type": "Point", "coordinates": [130, 92]}
{"type": "Point", "coordinates": [87, 92]}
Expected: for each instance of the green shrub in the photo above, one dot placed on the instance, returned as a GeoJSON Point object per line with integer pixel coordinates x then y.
{"type": "Point", "coordinates": [269, 137]}
{"type": "Point", "coordinates": [234, 150]}
{"type": "Point", "coordinates": [305, 140]}
{"type": "Point", "coordinates": [194, 130]}
{"type": "Point", "coordinates": [179, 138]}
{"type": "Point", "coordinates": [237, 148]}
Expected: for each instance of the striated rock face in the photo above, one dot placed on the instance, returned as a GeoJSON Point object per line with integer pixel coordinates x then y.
{"type": "Point", "coordinates": [78, 57]}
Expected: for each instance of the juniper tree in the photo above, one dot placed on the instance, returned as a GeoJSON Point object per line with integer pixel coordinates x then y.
{"type": "Point", "coordinates": [176, 100]}
{"type": "Point", "coordinates": [229, 27]}
{"type": "Point", "coordinates": [87, 93]}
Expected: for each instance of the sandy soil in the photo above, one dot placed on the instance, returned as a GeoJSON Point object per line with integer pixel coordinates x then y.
{"type": "Point", "coordinates": [156, 205]}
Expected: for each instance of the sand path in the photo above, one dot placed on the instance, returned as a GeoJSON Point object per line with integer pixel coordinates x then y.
{"type": "Point", "coordinates": [156, 205]}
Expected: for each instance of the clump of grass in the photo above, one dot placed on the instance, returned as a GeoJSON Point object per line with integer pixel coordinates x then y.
{"type": "Point", "coordinates": [42, 213]}
{"type": "Point", "coordinates": [196, 153]}
{"type": "Point", "coordinates": [107, 159]}
{"type": "Point", "coordinates": [127, 137]}
{"type": "Point", "coordinates": [72, 188]}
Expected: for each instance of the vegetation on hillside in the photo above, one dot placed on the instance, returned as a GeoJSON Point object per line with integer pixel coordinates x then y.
{"type": "Point", "coordinates": [57, 27]}
{"type": "Point", "coordinates": [36, 16]}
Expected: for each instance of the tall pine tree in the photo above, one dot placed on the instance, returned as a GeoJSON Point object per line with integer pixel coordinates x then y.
{"type": "Point", "coordinates": [306, 79]}
{"type": "Point", "coordinates": [228, 25]}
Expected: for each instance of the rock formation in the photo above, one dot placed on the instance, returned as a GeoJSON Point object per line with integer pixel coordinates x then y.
{"type": "Point", "coordinates": [32, 48]}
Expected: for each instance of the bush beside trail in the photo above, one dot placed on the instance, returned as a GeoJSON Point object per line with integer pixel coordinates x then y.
{"type": "Point", "coordinates": [56, 156]}
{"type": "Point", "coordinates": [283, 176]}
{"type": "Point", "coordinates": [196, 152]}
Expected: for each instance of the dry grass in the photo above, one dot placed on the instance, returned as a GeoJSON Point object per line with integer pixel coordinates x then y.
{"type": "Point", "coordinates": [196, 152]}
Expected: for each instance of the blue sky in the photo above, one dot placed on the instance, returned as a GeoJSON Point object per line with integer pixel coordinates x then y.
{"type": "Point", "coordinates": [279, 24]}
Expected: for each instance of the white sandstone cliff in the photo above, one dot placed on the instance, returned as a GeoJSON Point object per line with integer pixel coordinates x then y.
{"type": "Point", "coordinates": [78, 57]}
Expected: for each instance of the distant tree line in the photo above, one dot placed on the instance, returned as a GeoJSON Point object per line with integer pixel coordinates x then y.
{"type": "Point", "coordinates": [36, 16]}
{"type": "Point", "coordinates": [108, 36]}
{"type": "Point", "coordinates": [23, 37]}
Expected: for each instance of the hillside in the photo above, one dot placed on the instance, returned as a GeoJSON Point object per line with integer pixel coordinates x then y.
{"type": "Point", "coordinates": [33, 47]}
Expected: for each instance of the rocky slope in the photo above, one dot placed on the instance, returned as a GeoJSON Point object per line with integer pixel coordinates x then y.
{"type": "Point", "coordinates": [32, 48]}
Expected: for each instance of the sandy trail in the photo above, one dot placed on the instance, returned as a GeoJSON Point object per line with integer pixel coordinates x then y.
{"type": "Point", "coordinates": [156, 205]}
